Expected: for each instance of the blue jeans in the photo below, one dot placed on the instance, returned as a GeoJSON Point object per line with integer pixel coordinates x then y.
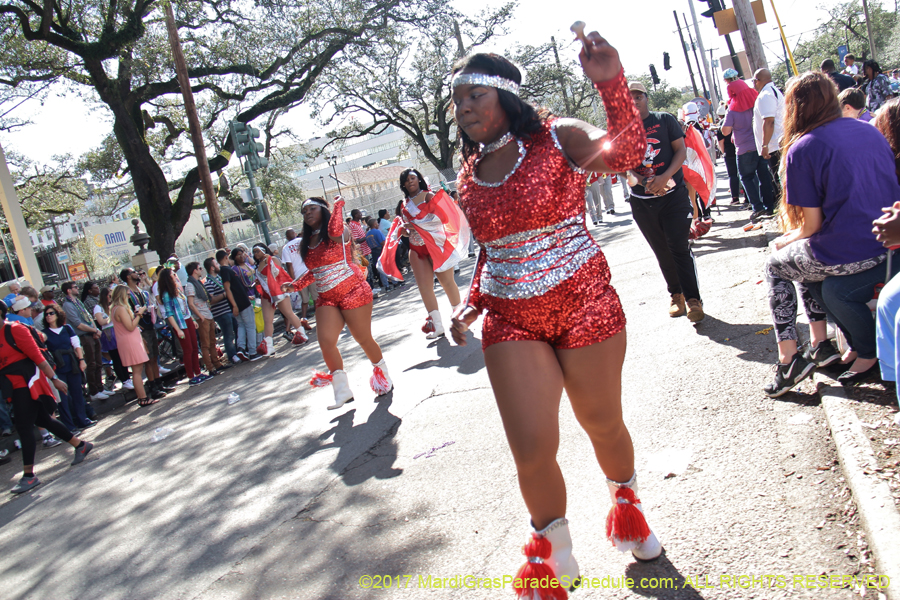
{"type": "Point", "coordinates": [246, 333]}
{"type": "Point", "coordinates": [757, 180]}
{"type": "Point", "coordinates": [888, 315]}
{"type": "Point", "coordinates": [72, 407]}
{"type": "Point", "coordinates": [226, 324]}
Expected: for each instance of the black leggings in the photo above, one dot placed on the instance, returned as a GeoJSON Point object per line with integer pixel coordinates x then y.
{"type": "Point", "coordinates": [30, 413]}
{"type": "Point", "coordinates": [121, 371]}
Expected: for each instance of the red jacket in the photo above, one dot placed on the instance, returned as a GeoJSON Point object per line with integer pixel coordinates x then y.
{"type": "Point", "coordinates": [19, 366]}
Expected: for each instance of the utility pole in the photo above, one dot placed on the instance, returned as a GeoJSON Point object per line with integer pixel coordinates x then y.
{"type": "Point", "coordinates": [562, 79]}
{"type": "Point", "coordinates": [749, 32]}
{"type": "Point", "coordinates": [686, 57]}
{"type": "Point", "coordinates": [212, 203]}
{"type": "Point", "coordinates": [715, 77]}
{"type": "Point", "coordinates": [869, 30]}
{"type": "Point", "coordinates": [714, 97]}
{"type": "Point", "coordinates": [697, 60]}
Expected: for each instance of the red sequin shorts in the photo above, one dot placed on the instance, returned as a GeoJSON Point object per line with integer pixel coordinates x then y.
{"type": "Point", "coordinates": [581, 311]}
{"type": "Point", "coordinates": [351, 293]}
{"type": "Point", "coordinates": [422, 251]}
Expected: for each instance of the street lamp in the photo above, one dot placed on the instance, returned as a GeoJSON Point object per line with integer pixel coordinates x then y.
{"type": "Point", "coordinates": [332, 162]}
{"type": "Point", "coordinates": [324, 191]}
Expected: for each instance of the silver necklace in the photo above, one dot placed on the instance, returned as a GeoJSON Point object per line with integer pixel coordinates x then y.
{"type": "Point", "coordinates": [504, 139]}
{"type": "Point", "coordinates": [522, 152]}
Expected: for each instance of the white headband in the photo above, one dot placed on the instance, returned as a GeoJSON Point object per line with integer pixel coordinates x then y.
{"type": "Point", "coordinates": [494, 81]}
{"type": "Point", "coordinates": [315, 201]}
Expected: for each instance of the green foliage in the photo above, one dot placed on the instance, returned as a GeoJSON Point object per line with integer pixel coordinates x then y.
{"type": "Point", "coordinates": [47, 191]}
{"type": "Point", "coordinates": [664, 98]}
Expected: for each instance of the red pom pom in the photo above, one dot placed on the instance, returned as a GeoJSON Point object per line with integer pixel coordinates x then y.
{"type": "Point", "coordinates": [380, 384]}
{"type": "Point", "coordinates": [536, 580]}
{"type": "Point", "coordinates": [261, 349]}
{"type": "Point", "coordinates": [320, 379]}
{"type": "Point", "coordinates": [428, 327]}
{"type": "Point", "coordinates": [625, 522]}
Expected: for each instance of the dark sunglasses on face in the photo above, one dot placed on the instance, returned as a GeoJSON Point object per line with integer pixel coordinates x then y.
{"type": "Point", "coordinates": [50, 312]}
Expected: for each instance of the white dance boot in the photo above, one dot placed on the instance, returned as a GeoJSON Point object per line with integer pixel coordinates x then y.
{"type": "Point", "coordinates": [341, 385]}
{"type": "Point", "coordinates": [270, 346]}
{"type": "Point", "coordinates": [380, 381]}
{"type": "Point", "coordinates": [626, 526]}
{"type": "Point", "coordinates": [549, 554]}
{"type": "Point", "coordinates": [433, 327]}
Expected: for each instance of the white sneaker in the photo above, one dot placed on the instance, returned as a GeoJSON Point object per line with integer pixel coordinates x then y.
{"type": "Point", "coordinates": [128, 385]}
{"type": "Point", "coordinates": [236, 359]}
{"type": "Point", "coordinates": [100, 396]}
{"type": "Point", "coordinates": [163, 370]}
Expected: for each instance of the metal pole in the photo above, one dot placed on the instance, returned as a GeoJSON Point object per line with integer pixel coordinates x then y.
{"type": "Point", "coordinates": [212, 203]}
{"type": "Point", "coordinates": [715, 77]}
{"type": "Point", "coordinates": [686, 57]}
{"type": "Point", "coordinates": [714, 100]}
{"type": "Point", "coordinates": [324, 191]}
{"type": "Point", "coordinates": [697, 60]}
{"type": "Point", "coordinates": [869, 30]}
{"type": "Point", "coordinates": [336, 180]}
{"type": "Point", "coordinates": [257, 202]}
{"type": "Point", "coordinates": [784, 43]}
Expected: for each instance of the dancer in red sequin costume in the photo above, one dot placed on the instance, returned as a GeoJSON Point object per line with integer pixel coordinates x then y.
{"type": "Point", "coordinates": [553, 321]}
{"type": "Point", "coordinates": [344, 297]}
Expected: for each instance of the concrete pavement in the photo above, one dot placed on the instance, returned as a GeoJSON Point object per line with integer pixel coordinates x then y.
{"type": "Point", "coordinates": [276, 497]}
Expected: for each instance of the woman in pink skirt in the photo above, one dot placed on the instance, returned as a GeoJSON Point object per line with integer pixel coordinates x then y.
{"type": "Point", "coordinates": [129, 340]}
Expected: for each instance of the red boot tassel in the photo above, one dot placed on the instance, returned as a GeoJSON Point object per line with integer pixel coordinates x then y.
{"type": "Point", "coordinates": [380, 384]}
{"type": "Point", "coordinates": [262, 349]}
{"type": "Point", "coordinates": [536, 580]}
{"type": "Point", "coordinates": [626, 526]}
{"type": "Point", "coordinates": [428, 327]}
{"type": "Point", "coordinates": [320, 379]}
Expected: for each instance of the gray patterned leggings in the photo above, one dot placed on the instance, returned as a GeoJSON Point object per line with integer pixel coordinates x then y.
{"type": "Point", "coordinates": [795, 263]}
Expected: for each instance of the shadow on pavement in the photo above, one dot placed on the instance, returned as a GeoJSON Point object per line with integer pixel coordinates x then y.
{"type": "Point", "coordinates": [375, 463]}
{"type": "Point", "coordinates": [661, 579]}
{"type": "Point", "coordinates": [449, 356]}
{"type": "Point", "coordinates": [754, 345]}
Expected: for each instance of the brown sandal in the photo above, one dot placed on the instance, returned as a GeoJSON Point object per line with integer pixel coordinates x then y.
{"type": "Point", "coordinates": [146, 401]}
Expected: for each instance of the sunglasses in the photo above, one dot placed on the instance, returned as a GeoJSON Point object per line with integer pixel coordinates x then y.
{"type": "Point", "coordinates": [51, 312]}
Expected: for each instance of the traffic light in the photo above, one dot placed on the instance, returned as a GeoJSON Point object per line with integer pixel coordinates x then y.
{"type": "Point", "coordinates": [245, 146]}
{"type": "Point", "coordinates": [714, 7]}
{"type": "Point", "coordinates": [653, 75]}
{"type": "Point", "coordinates": [667, 64]}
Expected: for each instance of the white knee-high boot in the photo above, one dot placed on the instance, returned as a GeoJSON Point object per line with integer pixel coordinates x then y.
{"type": "Point", "coordinates": [549, 555]}
{"type": "Point", "coordinates": [433, 326]}
{"type": "Point", "coordinates": [380, 381]}
{"type": "Point", "coordinates": [626, 526]}
{"type": "Point", "coordinates": [270, 346]}
{"type": "Point", "coordinates": [341, 385]}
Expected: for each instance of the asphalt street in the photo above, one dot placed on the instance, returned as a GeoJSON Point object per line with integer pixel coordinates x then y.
{"type": "Point", "coordinates": [277, 497]}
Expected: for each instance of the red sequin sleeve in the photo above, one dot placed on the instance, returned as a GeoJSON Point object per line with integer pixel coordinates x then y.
{"type": "Point", "coordinates": [305, 279]}
{"type": "Point", "coordinates": [473, 298]}
{"type": "Point", "coordinates": [625, 129]}
{"type": "Point", "coordinates": [336, 224]}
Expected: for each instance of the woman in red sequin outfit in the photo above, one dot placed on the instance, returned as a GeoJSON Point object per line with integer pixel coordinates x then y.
{"type": "Point", "coordinates": [344, 297]}
{"type": "Point", "coordinates": [544, 284]}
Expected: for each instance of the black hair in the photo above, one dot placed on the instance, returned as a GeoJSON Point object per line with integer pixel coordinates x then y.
{"type": "Point", "coordinates": [86, 289]}
{"type": "Point", "coordinates": [221, 254]}
{"type": "Point", "coordinates": [827, 66]}
{"type": "Point", "coordinates": [191, 267]}
{"type": "Point", "coordinates": [524, 119]}
{"type": "Point", "coordinates": [3, 310]}
{"type": "Point", "coordinates": [404, 175]}
{"type": "Point", "coordinates": [308, 232]}
{"type": "Point", "coordinates": [124, 273]}
{"type": "Point", "coordinates": [167, 283]}
{"type": "Point", "coordinates": [262, 247]}
{"type": "Point", "coordinates": [235, 252]}
{"type": "Point", "coordinates": [209, 263]}
{"type": "Point", "coordinates": [382, 213]}
{"type": "Point", "coordinates": [399, 209]}
{"type": "Point", "coordinates": [68, 286]}
{"type": "Point", "coordinates": [872, 65]}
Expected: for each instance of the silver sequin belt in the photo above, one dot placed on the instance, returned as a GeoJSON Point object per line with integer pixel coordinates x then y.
{"type": "Point", "coordinates": [330, 276]}
{"type": "Point", "coordinates": [531, 263]}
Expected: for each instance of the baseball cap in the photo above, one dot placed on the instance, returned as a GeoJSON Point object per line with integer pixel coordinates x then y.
{"type": "Point", "coordinates": [730, 74]}
{"type": "Point", "coordinates": [48, 288]}
{"type": "Point", "coordinates": [637, 86]}
{"type": "Point", "coordinates": [21, 303]}
{"type": "Point", "coordinates": [722, 110]}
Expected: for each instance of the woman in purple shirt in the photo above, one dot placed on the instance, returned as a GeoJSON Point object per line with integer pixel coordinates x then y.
{"type": "Point", "coordinates": [837, 175]}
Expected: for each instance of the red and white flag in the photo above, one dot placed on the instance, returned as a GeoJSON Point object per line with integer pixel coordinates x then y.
{"type": "Point", "coordinates": [444, 229]}
{"type": "Point", "coordinates": [387, 262]}
{"type": "Point", "coordinates": [698, 167]}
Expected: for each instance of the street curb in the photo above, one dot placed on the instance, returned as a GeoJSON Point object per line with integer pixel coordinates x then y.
{"type": "Point", "coordinates": [878, 516]}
